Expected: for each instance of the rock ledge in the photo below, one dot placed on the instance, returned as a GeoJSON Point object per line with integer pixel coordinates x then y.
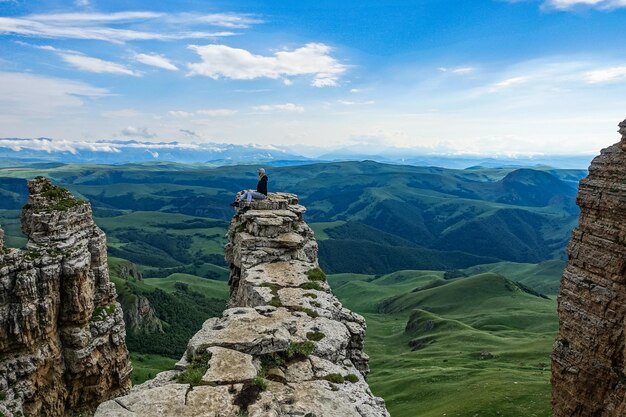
{"type": "Point", "coordinates": [284, 347]}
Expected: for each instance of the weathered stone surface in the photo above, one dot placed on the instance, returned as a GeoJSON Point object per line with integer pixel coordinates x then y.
{"type": "Point", "coordinates": [228, 366]}
{"type": "Point", "coordinates": [246, 330]}
{"type": "Point", "coordinates": [62, 346]}
{"type": "Point", "coordinates": [588, 361]}
{"type": "Point", "coordinates": [316, 397]}
{"type": "Point", "coordinates": [140, 318]}
{"type": "Point", "coordinates": [284, 330]}
{"type": "Point", "coordinates": [177, 400]}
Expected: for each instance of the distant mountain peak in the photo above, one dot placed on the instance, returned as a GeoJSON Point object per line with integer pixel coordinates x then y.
{"type": "Point", "coordinates": [119, 151]}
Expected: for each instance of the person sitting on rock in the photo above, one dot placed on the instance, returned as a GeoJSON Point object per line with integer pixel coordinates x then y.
{"type": "Point", "coordinates": [259, 194]}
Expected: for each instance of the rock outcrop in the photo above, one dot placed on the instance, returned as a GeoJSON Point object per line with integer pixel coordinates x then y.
{"type": "Point", "coordinates": [139, 316]}
{"type": "Point", "coordinates": [62, 349]}
{"type": "Point", "coordinates": [588, 361]}
{"type": "Point", "coordinates": [285, 346]}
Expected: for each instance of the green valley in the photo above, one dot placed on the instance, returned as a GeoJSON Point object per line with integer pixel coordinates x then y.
{"type": "Point", "coordinates": [412, 217]}
{"type": "Point", "coordinates": [477, 345]}
{"type": "Point", "coordinates": [455, 271]}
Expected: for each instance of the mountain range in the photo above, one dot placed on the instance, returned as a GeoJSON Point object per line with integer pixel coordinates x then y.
{"type": "Point", "coordinates": [410, 217]}
{"type": "Point", "coordinates": [18, 151]}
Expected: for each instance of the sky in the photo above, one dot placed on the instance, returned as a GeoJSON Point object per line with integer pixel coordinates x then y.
{"type": "Point", "coordinates": [480, 77]}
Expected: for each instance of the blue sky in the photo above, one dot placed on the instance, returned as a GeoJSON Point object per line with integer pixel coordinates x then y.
{"type": "Point", "coordinates": [433, 76]}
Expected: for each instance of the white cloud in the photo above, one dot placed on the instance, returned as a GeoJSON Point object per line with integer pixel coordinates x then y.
{"type": "Point", "coordinates": [558, 75]}
{"type": "Point", "coordinates": [353, 103]}
{"type": "Point", "coordinates": [91, 64]}
{"type": "Point", "coordinates": [226, 20]}
{"type": "Point", "coordinates": [148, 145]}
{"type": "Point", "coordinates": [156, 60]}
{"type": "Point", "coordinates": [81, 26]}
{"type": "Point", "coordinates": [324, 81]}
{"type": "Point", "coordinates": [32, 95]}
{"type": "Point", "coordinates": [63, 145]}
{"type": "Point", "coordinates": [508, 83]}
{"type": "Point", "coordinates": [84, 62]}
{"type": "Point", "coordinates": [287, 107]}
{"type": "Point", "coordinates": [141, 132]}
{"type": "Point", "coordinates": [81, 3]}
{"type": "Point", "coordinates": [221, 61]}
{"type": "Point", "coordinates": [51, 145]}
{"type": "Point", "coordinates": [179, 113]}
{"type": "Point", "coordinates": [458, 71]}
{"type": "Point", "coordinates": [570, 4]}
{"type": "Point", "coordinates": [203, 112]}
{"type": "Point", "coordinates": [463, 71]}
{"type": "Point", "coordinates": [217, 112]}
{"type": "Point", "coordinates": [355, 90]}
{"type": "Point", "coordinates": [84, 18]}
{"type": "Point", "coordinates": [121, 114]}
{"type": "Point", "coordinates": [605, 75]}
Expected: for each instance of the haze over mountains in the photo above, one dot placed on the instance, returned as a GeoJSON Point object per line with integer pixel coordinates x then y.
{"type": "Point", "coordinates": [15, 151]}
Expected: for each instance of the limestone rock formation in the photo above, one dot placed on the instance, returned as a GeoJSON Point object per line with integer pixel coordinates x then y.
{"type": "Point", "coordinates": [588, 361]}
{"type": "Point", "coordinates": [139, 316]}
{"type": "Point", "coordinates": [284, 347]}
{"type": "Point", "coordinates": [62, 348]}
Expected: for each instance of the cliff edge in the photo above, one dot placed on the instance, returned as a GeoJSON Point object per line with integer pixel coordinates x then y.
{"type": "Point", "coordinates": [62, 348]}
{"type": "Point", "coordinates": [285, 346]}
{"type": "Point", "coordinates": [588, 361]}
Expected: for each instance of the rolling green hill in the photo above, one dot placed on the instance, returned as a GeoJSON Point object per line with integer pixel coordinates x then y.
{"type": "Point", "coordinates": [402, 217]}
{"type": "Point", "coordinates": [544, 277]}
{"type": "Point", "coordinates": [477, 345]}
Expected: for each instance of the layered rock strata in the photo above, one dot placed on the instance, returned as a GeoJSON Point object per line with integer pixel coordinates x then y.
{"type": "Point", "coordinates": [62, 348]}
{"type": "Point", "coordinates": [588, 361]}
{"type": "Point", "coordinates": [284, 347]}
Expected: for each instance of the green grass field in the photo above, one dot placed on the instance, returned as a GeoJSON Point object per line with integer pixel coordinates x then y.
{"type": "Point", "coordinates": [544, 277]}
{"type": "Point", "coordinates": [482, 345]}
{"type": "Point", "coordinates": [146, 366]}
{"type": "Point", "coordinates": [207, 287]}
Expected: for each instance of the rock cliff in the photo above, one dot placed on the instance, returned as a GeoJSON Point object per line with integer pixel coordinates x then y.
{"type": "Point", "coordinates": [284, 347]}
{"type": "Point", "coordinates": [139, 316]}
{"type": "Point", "coordinates": [62, 348]}
{"type": "Point", "coordinates": [588, 361]}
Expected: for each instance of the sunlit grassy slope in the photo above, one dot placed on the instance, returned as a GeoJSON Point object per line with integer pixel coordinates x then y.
{"type": "Point", "coordinates": [474, 346]}
{"type": "Point", "coordinates": [543, 277]}
{"type": "Point", "coordinates": [146, 366]}
{"type": "Point", "coordinates": [207, 287]}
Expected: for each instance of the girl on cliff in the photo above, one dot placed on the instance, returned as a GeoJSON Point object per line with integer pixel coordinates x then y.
{"type": "Point", "coordinates": [259, 194]}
